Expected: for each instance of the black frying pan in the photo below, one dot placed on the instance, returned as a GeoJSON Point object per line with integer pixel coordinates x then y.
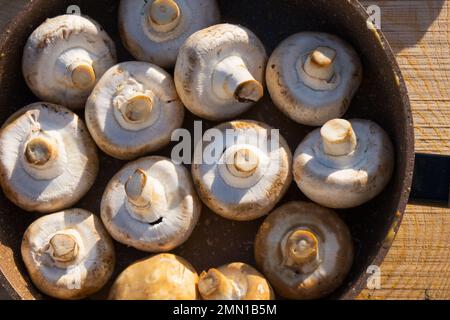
{"type": "Point", "coordinates": [382, 98]}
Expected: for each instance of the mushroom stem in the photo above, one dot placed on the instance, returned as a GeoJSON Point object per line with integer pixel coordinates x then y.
{"type": "Point", "coordinates": [301, 250]}
{"type": "Point", "coordinates": [232, 80]}
{"type": "Point", "coordinates": [138, 189]}
{"type": "Point", "coordinates": [83, 76]}
{"type": "Point", "coordinates": [338, 138]}
{"type": "Point", "coordinates": [164, 15]}
{"type": "Point", "coordinates": [138, 109]}
{"type": "Point", "coordinates": [141, 195]}
{"type": "Point", "coordinates": [63, 247]}
{"type": "Point", "coordinates": [244, 163]}
{"type": "Point", "coordinates": [214, 283]}
{"type": "Point", "coordinates": [320, 63]}
{"type": "Point", "coordinates": [39, 152]}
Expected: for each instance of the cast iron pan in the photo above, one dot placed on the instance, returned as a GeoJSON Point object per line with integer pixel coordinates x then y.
{"type": "Point", "coordinates": [215, 241]}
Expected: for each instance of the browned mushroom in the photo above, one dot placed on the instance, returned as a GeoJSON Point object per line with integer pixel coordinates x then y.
{"type": "Point", "coordinates": [161, 277]}
{"type": "Point", "coordinates": [304, 250]}
{"type": "Point", "coordinates": [234, 281]}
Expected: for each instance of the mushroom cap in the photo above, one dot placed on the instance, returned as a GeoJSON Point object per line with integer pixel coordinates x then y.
{"type": "Point", "coordinates": [347, 181]}
{"type": "Point", "coordinates": [161, 48]}
{"type": "Point", "coordinates": [246, 198]}
{"type": "Point", "coordinates": [198, 59]}
{"type": "Point", "coordinates": [111, 93]}
{"type": "Point", "coordinates": [161, 277]}
{"type": "Point", "coordinates": [177, 211]}
{"type": "Point", "coordinates": [334, 245]}
{"type": "Point", "coordinates": [87, 274]}
{"type": "Point", "coordinates": [66, 38]}
{"type": "Point", "coordinates": [246, 283]}
{"type": "Point", "coordinates": [57, 187]}
{"type": "Point", "coordinates": [297, 100]}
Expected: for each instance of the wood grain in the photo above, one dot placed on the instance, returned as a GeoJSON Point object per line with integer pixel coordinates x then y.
{"type": "Point", "coordinates": [418, 265]}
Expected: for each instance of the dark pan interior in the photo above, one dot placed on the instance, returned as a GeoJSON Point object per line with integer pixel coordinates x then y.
{"type": "Point", "coordinates": [216, 241]}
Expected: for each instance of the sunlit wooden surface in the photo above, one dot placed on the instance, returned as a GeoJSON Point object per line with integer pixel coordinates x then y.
{"type": "Point", "coordinates": [418, 265]}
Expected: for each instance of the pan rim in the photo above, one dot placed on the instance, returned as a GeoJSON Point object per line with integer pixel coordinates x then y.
{"type": "Point", "coordinates": [409, 152]}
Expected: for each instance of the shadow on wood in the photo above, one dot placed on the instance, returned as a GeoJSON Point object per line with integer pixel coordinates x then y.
{"type": "Point", "coordinates": [412, 17]}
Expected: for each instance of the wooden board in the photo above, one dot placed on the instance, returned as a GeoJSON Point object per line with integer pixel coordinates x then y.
{"type": "Point", "coordinates": [418, 265]}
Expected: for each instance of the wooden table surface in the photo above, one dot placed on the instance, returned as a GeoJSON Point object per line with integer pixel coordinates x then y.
{"type": "Point", "coordinates": [418, 265]}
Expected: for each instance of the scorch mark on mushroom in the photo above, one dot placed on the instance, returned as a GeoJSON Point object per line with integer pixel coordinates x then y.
{"type": "Point", "coordinates": [220, 71]}
{"type": "Point", "coordinates": [153, 31]}
{"type": "Point", "coordinates": [234, 281]}
{"type": "Point", "coordinates": [151, 205]}
{"type": "Point", "coordinates": [304, 250]}
{"type": "Point", "coordinates": [251, 174]}
{"type": "Point", "coordinates": [313, 76]}
{"type": "Point", "coordinates": [345, 163]}
{"type": "Point", "coordinates": [64, 58]}
{"type": "Point", "coordinates": [133, 110]}
{"type": "Point", "coordinates": [161, 277]}
{"type": "Point", "coordinates": [68, 254]}
{"type": "Point", "coordinates": [47, 159]}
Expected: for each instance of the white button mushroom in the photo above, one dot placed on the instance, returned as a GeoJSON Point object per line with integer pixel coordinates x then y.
{"type": "Point", "coordinates": [154, 30]}
{"type": "Point", "coordinates": [344, 164]}
{"type": "Point", "coordinates": [220, 71]}
{"type": "Point", "coordinates": [304, 250]}
{"type": "Point", "coordinates": [68, 255]}
{"type": "Point", "coordinates": [64, 57]}
{"type": "Point", "coordinates": [250, 173]}
{"type": "Point", "coordinates": [133, 110]}
{"type": "Point", "coordinates": [312, 77]}
{"type": "Point", "coordinates": [161, 277]}
{"type": "Point", "coordinates": [234, 281]}
{"type": "Point", "coordinates": [151, 205]}
{"type": "Point", "coordinates": [48, 161]}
